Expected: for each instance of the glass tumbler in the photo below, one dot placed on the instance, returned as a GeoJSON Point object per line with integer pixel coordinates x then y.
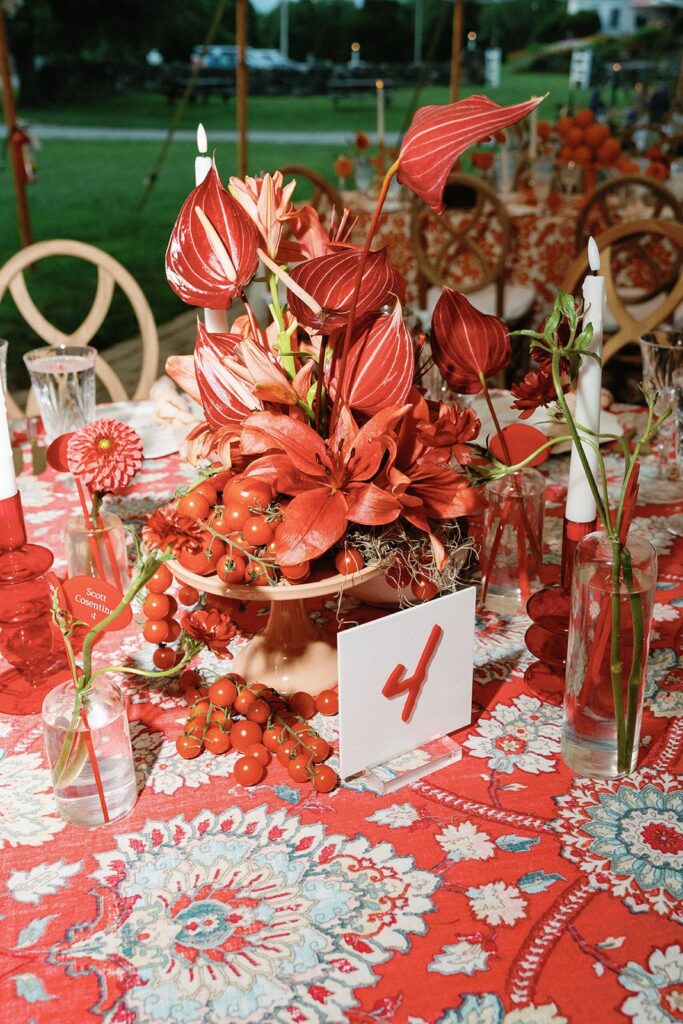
{"type": "Point", "coordinates": [98, 551]}
{"type": "Point", "coordinates": [512, 545]}
{"type": "Point", "coordinates": [63, 381]}
{"type": "Point", "coordinates": [662, 355]}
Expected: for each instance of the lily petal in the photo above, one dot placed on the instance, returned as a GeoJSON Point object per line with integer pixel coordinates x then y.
{"type": "Point", "coordinates": [312, 523]}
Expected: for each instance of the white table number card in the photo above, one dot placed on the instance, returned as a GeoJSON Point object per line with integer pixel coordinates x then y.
{"type": "Point", "coordinates": [404, 681]}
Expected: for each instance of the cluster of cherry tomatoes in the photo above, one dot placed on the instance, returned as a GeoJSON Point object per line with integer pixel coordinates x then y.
{"type": "Point", "coordinates": [259, 724]}
{"type": "Point", "coordinates": [159, 610]}
{"type": "Point", "coordinates": [240, 515]}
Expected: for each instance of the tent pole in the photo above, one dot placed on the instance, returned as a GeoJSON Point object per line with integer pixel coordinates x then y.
{"type": "Point", "coordinates": [456, 48]}
{"type": "Point", "coordinates": [10, 114]}
{"type": "Point", "coordinates": [241, 82]}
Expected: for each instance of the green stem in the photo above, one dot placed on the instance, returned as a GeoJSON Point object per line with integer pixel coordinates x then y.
{"type": "Point", "coordinates": [68, 744]}
{"type": "Point", "coordinates": [284, 340]}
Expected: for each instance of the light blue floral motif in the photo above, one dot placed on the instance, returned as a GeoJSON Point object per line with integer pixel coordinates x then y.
{"type": "Point", "coordinates": [242, 916]}
{"type": "Point", "coordinates": [488, 1009]}
{"type": "Point", "coordinates": [663, 702]}
{"type": "Point", "coordinates": [629, 836]}
{"type": "Point", "coordinates": [658, 992]}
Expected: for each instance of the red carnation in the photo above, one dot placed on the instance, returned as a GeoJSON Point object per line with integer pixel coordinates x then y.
{"type": "Point", "coordinates": [105, 454]}
{"type": "Point", "coordinates": [536, 390]}
{"type": "Point", "coordinates": [167, 528]}
{"type": "Point", "coordinates": [214, 628]}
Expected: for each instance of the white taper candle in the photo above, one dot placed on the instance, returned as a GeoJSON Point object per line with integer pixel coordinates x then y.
{"type": "Point", "coordinates": [8, 479]}
{"type": "Point", "coordinates": [580, 501]}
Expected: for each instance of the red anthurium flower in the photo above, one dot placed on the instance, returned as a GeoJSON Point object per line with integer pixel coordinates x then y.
{"type": "Point", "coordinates": [467, 344]}
{"type": "Point", "coordinates": [536, 390]}
{"type": "Point", "coordinates": [331, 280]}
{"type": "Point", "coordinates": [379, 371]}
{"type": "Point", "coordinates": [448, 431]}
{"type": "Point", "coordinates": [212, 253]}
{"type": "Point", "coordinates": [438, 135]}
{"type": "Point", "coordinates": [330, 480]}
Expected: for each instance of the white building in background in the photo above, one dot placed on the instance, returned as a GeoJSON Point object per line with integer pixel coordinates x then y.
{"type": "Point", "coordinates": [623, 17]}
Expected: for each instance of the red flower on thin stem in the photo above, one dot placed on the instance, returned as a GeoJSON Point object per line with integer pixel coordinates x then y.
{"type": "Point", "coordinates": [167, 528]}
{"type": "Point", "coordinates": [468, 346]}
{"type": "Point", "coordinates": [105, 454]}
{"type": "Point", "coordinates": [536, 390]}
{"type": "Point", "coordinates": [213, 627]}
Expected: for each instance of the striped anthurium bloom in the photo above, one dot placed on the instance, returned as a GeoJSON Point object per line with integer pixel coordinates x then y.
{"type": "Point", "coordinates": [438, 135]}
{"type": "Point", "coordinates": [467, 345]}
{"type": "Point", "coordinates": [329, 281]}
{"type": "Point", "coordinates": [380, 367]}
{"type": "Point", "coordinates": [212, 253]}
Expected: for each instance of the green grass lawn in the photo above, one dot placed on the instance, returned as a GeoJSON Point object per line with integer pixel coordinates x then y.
{"type": "Point", "coordinates": [90, 190]}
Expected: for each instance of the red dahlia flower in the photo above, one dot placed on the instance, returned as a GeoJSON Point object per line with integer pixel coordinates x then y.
{"type": "Point", "coordinates": [438, 135]}
{"type": "Point", "coordinates": [467, 345]}
{"type": "Point", "coordinates": [448, 432]}
{"type": "Point", "coordinates": [212, 253]}
{"type": "Point", "coordinates": [105, 454]}
{"type": "Point", "coordinates": [166, 528]}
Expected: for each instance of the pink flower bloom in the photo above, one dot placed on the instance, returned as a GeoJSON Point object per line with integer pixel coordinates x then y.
{"type": "Point", "coordinates": [267, 203]}
{"type": "Point", "coordinates": [105, 454]}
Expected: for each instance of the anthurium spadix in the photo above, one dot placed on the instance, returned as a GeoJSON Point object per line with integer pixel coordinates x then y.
{"type": "Point", "coordinates": [212, 252]}
{"type": "Point", "coordinates": [438, 135]}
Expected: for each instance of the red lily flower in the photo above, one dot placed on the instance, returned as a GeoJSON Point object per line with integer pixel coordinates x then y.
{"type": "Point", "coordinates": [438, 135]}
{"type": "Point", "coordinates": [330, 281]}
{"type": "Point", "coordinates": [330, 480]}
{"type": "Point", "coordinates": [467, 344]}
{"type": "Point", "coordinates": [212, 253]}
{"type": "Point", "coordinates": [310, 237]}
{"type": "Point", "coordinates": [379, 371]}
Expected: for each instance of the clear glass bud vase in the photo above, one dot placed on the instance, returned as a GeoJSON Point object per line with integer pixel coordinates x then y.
{"type": "Point", "coordinates": [512, 542]}
{"type": "Point", "coordinates": [609, 638]}
{"type": "Point", "coordinates": [89, 753]}
{"type": "Point", "coordinates": [98, 551]}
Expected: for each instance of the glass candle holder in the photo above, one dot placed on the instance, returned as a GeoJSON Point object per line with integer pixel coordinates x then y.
{"type": "Point", "coordinates": [63, 381]}
{"type": "Point", "coordinates": [512, 544]}
{"type": "Point", "coordinates": [89, 753]}
{"type": "Point", "coordinates": [98, 551]}
{"type": "Point", "coordinates": [609, 637]}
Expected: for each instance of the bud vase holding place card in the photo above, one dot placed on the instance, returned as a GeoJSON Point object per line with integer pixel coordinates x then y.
{"type": "Point", "coordinates": [512, 545]}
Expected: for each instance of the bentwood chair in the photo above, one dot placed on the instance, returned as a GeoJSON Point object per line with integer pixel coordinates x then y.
{"type": "Point", "coordinates": [109, 274]}
{"type": "Point", "coordinates": [629, 197]}
{"type": "Point", "coordinates": [625, 273]}
{"type": "Point", "coordinates": [467, 248]}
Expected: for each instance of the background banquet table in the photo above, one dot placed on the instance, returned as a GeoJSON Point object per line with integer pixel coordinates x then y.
{"type": "Point", "coordinates": [500, 890]}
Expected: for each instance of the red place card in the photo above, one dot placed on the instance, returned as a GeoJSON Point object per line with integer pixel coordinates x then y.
{"type": "Point", "coordinates": [91, 600]}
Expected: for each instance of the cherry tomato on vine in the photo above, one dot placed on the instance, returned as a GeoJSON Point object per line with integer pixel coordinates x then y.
{"type": "Point", "coordinates": [302, 704]}
{"type": "Point", "coordinates": [164, 658]}
{"type": "Point", "coordinates": [222, 692]}
{"type": "Point", "coordinates": [257, 531]}
{"type": "Point", "coordinates": [194, 505]}
{"type": "Point", "coordinates": [423, 589]}
{"type": "Point", "coordinates": [156, 631]}
{"type": "Point", "coordinates": [299, 768]}
{"type": "Point", "coordinates": [231, 568]}
{"type": "Point", "coordinates": [174, 630]}
{"type": "Point", "coordinates": [196, 727]}
{"type": "Point", "coordinates": [219, 716]}
{"type": "Point", "coordinates": [296, 573]}
{"type": "Point", "coordinates": [203, 562]}
{"type": "Point", "coordinates": [258, 712]}
{"type": "Point", "coordinates": [189, 677]}
{"type": "Point", "coordinates": [240, 545]}
{"type": "Point", "coordinates": [273, 738]}
{"type": "Point", "coordinates": [188, 746]}
{"type": "Point", "coordinates": [260, 752]}
{"type": "Point", "coordinates": [327, 702]}
{"type": "Point", "coordinates": [244, 700]}
{"type": "Point", "coordinates": [160, 581]}
{"type": "Point", "coordinates": [187, 595]}
{"type": "Point", "coordinates": [216, 741]}
{"type": "Point", "coordinates": [255, 574]}
{"type": "Point", "coordinates": [243, 734]}
{"type": "Point", "coordinates": [208, 490]}
{"type": "Point", "coordinates": [249, 491]}
{"type": "Point", "coordinates": [325, 779]}
{"type": "Point", "coordinates": [287, 751]}
{"type": "Point", "coordinates": [220, 479]}
{"type": "Point", "coordinates": [349, 560]}
{"type": "Point", "coordinates": [318, 748]}
{"type": "Point", "coordinates": [231, 519]}
{"type": "Point", "coordinates": [248, 771]}
{"type": "Point", "coordinates": [156, 606]}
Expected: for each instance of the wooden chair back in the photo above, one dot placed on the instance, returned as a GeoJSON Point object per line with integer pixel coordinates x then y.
{"type": "Point", "coordinates": [648, 233]}
{"type": "Point", "coordinates": [325, 196]}
{"type": "Point", "coordinates": [109, 274]}
{"type": "Point", "coordinates": [628, 197]}
{"type": "Point", "coordinates": [473, 232]}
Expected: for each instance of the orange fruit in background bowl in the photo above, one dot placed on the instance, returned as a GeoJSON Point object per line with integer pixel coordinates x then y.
{"type": "Point", "coordinates": [575, 137]}
{"type": "Point", "coordinates": [583, 118]}
{"type": "Point", "coordinates": [595, 135]}
{"type": "Point", "coordinates": [609, 151]}
{"type": "Point", "coordinates": [657, 170]}
{"type": "Point", "coordinates": [563, 126]}
{"type": "Point", "coordinates": [583, 155]}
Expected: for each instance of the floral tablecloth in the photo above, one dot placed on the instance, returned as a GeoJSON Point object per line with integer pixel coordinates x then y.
{"type": "Point", "coordinates": [500, 890]}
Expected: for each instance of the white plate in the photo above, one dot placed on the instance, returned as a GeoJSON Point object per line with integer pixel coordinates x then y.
{"type": "Point", "coordinates": [158, 439]}
{"type": "Point", "coordinates": [502, 403]}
